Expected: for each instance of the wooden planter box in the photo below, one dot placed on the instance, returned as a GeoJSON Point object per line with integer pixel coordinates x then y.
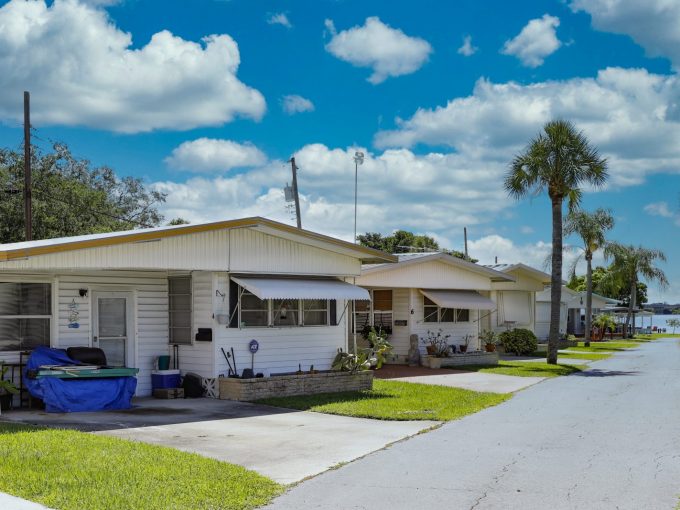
{"type": "Point", "coordinates": [469, 358]}
{"type": "Point", "coordinates": [289, 385]}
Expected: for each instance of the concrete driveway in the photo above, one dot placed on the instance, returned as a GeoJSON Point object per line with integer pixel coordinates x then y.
{"type": "Point", "coordinates": [606, 438]}
{"type": "Point", "coordinates": [287, 446]}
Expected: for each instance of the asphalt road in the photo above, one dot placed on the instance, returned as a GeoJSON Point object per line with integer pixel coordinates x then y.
{"type": "Point", "coordinates": [606, 439]}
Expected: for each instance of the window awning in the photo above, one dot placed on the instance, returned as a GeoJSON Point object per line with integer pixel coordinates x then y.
{"type": "Point", "coordinates": [467, 299]}
{"type": "Point", "coordinates": [298, 288]}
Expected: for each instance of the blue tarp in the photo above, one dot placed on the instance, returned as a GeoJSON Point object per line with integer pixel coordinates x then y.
{"type": "Point", "coordinates": [73, 395]}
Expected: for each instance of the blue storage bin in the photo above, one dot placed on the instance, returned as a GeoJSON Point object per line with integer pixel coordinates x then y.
{"type": "Point", "coordinates": [161, 379]}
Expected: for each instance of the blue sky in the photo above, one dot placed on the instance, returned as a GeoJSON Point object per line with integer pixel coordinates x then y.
{"type": "Point", "coordinates": [206, 100]}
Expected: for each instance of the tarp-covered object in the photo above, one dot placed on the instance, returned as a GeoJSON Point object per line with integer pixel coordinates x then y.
{"type": "Point", "coordinates": [73, 395]}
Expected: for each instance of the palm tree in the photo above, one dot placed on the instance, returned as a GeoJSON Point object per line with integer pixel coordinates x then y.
{"type": "Point", "coordinates": [629, 263]}
{"type": "Point", "coordinates": [591, 228]}
{"type": "Point", "coordinates": [559, 161]}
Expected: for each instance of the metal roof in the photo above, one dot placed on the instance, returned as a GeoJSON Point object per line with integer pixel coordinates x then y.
{"type": "Point", "coordinates": [418, 258]}
{"type": "Point", "coordinates": [25, 249]}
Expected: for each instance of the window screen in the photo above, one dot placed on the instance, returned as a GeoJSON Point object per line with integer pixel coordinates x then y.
{"type": "Point", "coordinates": [25, 315]}
{"type": "Point", "coordinates": [179, 293]}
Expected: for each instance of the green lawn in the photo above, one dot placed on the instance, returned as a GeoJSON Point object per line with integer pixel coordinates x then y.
{"type": "Point", "coordinates": [655, 336]}
{"type": "Point", "coordinates": [596, 347]}
{"type": "Point", "coordinates": [71, 470]}
{"type": "Point", "coordinates": [591, 355]}
{"type": "Point", "coordinates": [524, 369]}
{"type": "Point", "coordinates": [395, 400]}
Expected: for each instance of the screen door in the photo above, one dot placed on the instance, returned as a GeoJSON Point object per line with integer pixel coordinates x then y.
{"type": "Point", "coordinates": [112, 333]}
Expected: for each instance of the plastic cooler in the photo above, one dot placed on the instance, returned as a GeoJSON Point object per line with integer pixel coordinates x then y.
{"type": "Point", "coordinates": [161, 379]}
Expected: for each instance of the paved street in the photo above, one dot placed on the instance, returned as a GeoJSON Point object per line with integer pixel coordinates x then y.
{"type": "Point", "coordinates": [606, 439]}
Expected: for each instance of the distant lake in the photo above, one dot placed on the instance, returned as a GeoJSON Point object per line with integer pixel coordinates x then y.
{"type": "Point", "coordinates": [657, 320]}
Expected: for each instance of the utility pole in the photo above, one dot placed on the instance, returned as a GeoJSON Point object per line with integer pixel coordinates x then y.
{"type": "Point", "coordinates": [28, 207]}
{"type": "Point", "coordinates": [465, 235]}
{"type": "Point", "coordinates": [294, 168]}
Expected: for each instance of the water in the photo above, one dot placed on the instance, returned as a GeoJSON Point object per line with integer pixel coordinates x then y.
{"type": "Point", "coordinates": [657, 320]}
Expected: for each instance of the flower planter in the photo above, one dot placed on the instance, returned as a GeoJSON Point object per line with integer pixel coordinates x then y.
{"type": "Point", "coordinates": [469, 358]}
{"type": "Point", "coordinates": [490, 347]}
{"type": "Point", "coordinates": [432, 362]}
{"type": "Point", "coordinates": [296, 384]}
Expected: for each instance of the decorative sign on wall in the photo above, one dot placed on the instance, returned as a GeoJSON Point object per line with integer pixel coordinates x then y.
{"type": "Point", "coordinates": [253, 346]}
{"type": "Point", "coordinates": [400, 323]}
{"type": "Point", "coordinates": [73, 315]}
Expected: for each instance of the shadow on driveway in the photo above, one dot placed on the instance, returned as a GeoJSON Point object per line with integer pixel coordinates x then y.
{"type": "Point", "coordinates": [596, 372]}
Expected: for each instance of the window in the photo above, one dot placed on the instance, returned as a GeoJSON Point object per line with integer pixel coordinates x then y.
{"type": "Point", "coordinates": [25, 315]}
{"type": "Point", "coordinates": [362, 314]}
{"type": "Point", "coordinates": [433, 313]}
{"type": "Point", "coordinates": [430, 310]}
{"type": "Point", "coordinates": [285, 312]}
{"type": "Point", "coordinates": [179, 293]}
{"type": "Point", "coordinates": [382, 310]}
{"type": "Point", "coordinates": [254, 311]}
{"type": "Point", "coordinates": [315, 312]}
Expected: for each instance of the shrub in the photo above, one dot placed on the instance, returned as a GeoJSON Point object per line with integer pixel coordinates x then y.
{"type": "Point", "coordinates": [519, 341]}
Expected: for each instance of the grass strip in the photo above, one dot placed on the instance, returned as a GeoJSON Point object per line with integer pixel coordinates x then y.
{"type": "Point", "coordinates": [71, 470]}
{"type": "Point", "coordinates": [395, 400]}
{"type": "Point", "coordinates": [524, 369]}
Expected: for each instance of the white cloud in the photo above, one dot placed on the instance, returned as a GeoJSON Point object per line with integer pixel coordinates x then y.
{"type": "Point", "coordinates": [663, 209]}
{"type": "Point", "coordinates": [535, 42]}
{"type": "Point", "coordinates": [432, 193]}
{"type": "Point", "coordinates": [490, 247]}
{"type": "Point", "coordinates": [211, 155]}
{"type": "Point", "coordinates": [467, 49]}
{"type": "Point", "coordinates": [82, 70]}
{"type": "Point", "coordinates": [630, 114]}
{"type": "Point", "coordinates": [526, 229]}
{"type": "Point", "coordinates": [279, 19]}
{"type": "Point", "coordinates": [293, 104]}
{"type": "Point", "coordinates": [386, 50]}
{"type": "Point", "coordinates": [654, 24]}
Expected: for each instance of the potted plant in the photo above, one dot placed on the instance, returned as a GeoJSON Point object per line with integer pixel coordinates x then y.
{"type": "Point", "coordinates": [437, 346]}
{"type": "Point", "coordinates": [7, 390]}
{"type": "Point", "coordinates": [379, 346]}
{"type": "Point", "coordinates": [490, 339]}
{"type": "Point", "coordinates": [466, 343]}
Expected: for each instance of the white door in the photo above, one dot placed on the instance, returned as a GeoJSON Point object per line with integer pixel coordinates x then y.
{"type": "Point", "coordinates": [113, 328]}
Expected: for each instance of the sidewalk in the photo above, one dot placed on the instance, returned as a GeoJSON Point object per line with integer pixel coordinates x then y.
{"type": "Point", "coordinates": [8, 502]}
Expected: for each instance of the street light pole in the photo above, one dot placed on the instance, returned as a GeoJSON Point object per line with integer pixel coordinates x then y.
{"type": "Point", "coordinates": [358, 160]}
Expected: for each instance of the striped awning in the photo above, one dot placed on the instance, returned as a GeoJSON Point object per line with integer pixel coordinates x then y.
{"type": "Point", "coordinates": [299, 288]}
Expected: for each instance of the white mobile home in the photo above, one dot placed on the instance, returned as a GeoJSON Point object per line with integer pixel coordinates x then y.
{"type": "Point", "coordinates": [427, 292]}
{"type": "Point", "coordinates": [202, 287]}
{"type": "Point", "coordinates": [516, 305]}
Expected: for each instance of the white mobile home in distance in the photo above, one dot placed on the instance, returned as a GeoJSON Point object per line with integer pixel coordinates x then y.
{"type": "Point", "coordinates": [202, 287]}
{"type": "Point", "coordinates": [427, 291]}
{"type": "Point", "coordinates": [516, 305]}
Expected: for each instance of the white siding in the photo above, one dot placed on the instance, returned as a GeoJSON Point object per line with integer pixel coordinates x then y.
{"type": "Point", "coordinates": [199, 357]}
{"type": "Point", "coordinates": [169, 253]}
{"type": "Point", "coordinates": [150, 301]}
{"type": "Point", "coordinates": [281, 349]}
{"type": "Point", "coordinates": [426, 275]}
{"type": "Point", "coordinates": [456, 330]}
{"type": "Point", "coordinates": [255, 252]}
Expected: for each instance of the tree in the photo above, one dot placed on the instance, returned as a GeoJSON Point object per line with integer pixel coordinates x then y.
{"type": "Point", "coordinates": [70, 197]}
{"type": "Point", "coordinates": [591, 228]}
{"type": "Point", "coordinates": [558, 161]}
{"type": "Point", "coordinates": [403, 241]}
{"type": "Point", "coordinates": [629, 264]}
{"type": "Point", "coordinates": [178, 221]}
{"type": "Point", "coordinates": [673, 323]}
